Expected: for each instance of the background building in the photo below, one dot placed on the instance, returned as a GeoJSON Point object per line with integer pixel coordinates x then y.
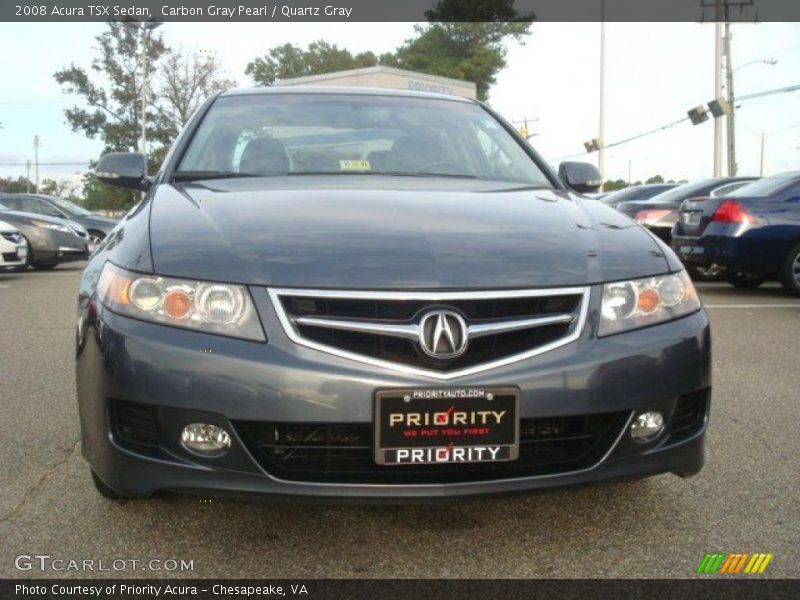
{"type": "Point", "coordinates": [388, 77]}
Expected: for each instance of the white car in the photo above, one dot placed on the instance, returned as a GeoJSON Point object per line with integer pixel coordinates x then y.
{"type": "Point", "coordinates": [13, 247]}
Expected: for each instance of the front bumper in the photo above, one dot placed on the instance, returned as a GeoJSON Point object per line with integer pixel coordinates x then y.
{"type": "Point", "coordinates": [187, 375]}
{"type": "Point", "coordinates": [13, 254]}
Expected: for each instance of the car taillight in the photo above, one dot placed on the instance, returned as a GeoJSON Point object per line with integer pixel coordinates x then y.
{"type": "Point", "coordinates": [648, 217]}
{"type": "Point", "coordinates": [731, 211]}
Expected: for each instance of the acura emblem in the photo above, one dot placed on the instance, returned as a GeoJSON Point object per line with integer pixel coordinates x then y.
{"type": "Point", "coordinates": [443, 334]}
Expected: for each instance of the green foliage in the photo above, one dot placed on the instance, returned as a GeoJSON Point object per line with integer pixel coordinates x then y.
{"type": "Point", "coordinates": [111, 110]}
{"type": "Point", "coordinates": [613, 185]}
{"type": "Point", "coordinates": [111, 93]}
{"type": "Point", "coordinates": [447, 46]}
{"type": "Point", "coordinates": [288, 61]}
{"type": "Point", "coordinates": [20, 185]}
{"type": "Point", "coordinates": [98, 196]}
{"type": "Point", "coordinates": [655, 179]}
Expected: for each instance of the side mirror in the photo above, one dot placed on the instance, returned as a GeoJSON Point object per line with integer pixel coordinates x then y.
{"type": "Point", "coordinates": [581, 177]}
{"type": "Point", "coordinates": [123, 169]}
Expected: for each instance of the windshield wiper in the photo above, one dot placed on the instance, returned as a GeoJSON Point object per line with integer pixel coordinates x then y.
{"type": "Point", "coordinates": [197, 175]}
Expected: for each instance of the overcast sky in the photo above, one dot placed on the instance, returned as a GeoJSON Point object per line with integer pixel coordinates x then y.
{"type": "Point", "coordinates": [655, 72]}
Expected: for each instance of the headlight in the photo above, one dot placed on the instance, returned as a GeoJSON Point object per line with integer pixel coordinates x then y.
{"type": "Point", "coordinates": [642, 302]}
{"type": "Point", "coordinates": [55, 226]}
{"type": "Point", "coordinates": [219, 308]}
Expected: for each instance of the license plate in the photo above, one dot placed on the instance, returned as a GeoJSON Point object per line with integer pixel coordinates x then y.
{"type": "Point", "coordinates": [692, 218]}
{"type": "Point", "coordinates": [689, 250]}
{"type": "Point", "coordinates": [446, 425]}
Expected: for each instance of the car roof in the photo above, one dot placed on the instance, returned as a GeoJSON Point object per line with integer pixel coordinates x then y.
{"type": "Point", "coordinates": [342, 91]}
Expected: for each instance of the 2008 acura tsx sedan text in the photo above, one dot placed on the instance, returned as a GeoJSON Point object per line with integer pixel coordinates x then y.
{"type": "Point", "coordinates": [375, 294]}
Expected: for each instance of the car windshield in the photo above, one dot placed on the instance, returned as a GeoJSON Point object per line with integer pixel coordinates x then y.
{"type": "Point", "coordinates": [302, 134]}
{"type": "Point", "coordinates": [71, 208]}
{"type": "Point", "coordinates": [766, 186]}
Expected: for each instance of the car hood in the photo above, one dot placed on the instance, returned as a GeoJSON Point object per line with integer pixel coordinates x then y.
{"type": "Point", "coordinates": [7, 228]}
{"type": "Point", "coordinates": [399, 234]}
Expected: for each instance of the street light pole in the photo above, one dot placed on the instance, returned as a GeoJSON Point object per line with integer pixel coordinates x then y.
{"type": "Point", "coordinates": [601, 153]}
{"type": "Point", "coordinates": [146, 27]}
{"type": "Point", "coordinates": [761, 170]}
{"type": "Point", "coordinates": [36, 143]}
{"type": "Point", "coordinates": [731, 120]}
{"type": "Point", "coordinates": [718, 88]}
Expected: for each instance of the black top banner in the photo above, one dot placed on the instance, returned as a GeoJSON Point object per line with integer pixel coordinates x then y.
{"type": "Point", "coordinates": [400, 10]}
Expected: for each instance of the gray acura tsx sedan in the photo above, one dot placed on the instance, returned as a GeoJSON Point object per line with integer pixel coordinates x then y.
{"type": "Point", "coordinates": [375, 294]}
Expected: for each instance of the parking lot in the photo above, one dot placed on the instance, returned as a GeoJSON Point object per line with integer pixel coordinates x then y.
{"type": "Point", "coordinates": [745, 500]}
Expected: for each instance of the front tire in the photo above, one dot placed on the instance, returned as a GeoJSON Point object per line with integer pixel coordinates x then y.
{"type": "Point", "coordinates": [711, 272]}
{"type": "Point", "coordinates": [744, 281]}
{"type": "Point", "coordinates": [790, 272]}
{"type": "Point", "coordinates": [96, 237]}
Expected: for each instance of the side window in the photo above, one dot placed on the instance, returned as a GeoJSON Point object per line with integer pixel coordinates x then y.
{"type": "Point", "coordinates": [34, 205]}
{"type": "Point", "coordinates": [12, 202]}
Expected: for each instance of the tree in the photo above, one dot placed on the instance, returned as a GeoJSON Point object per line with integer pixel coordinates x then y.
{"type": "Point", "coordinates": [614, 185]}
{"type": "Point", "coordinates": [448, 46]}
{"type": "Point", "coordinates": [465, 41]}
{"type": "Point", "coordinates": [185, 81]}
{"type": "Point", "coordinates": [20, 185]}
{"type": "Point", "coordinates": [655, 179]}
{"type": "Point", "coordinates": [111, 94]}
{"type": "Point", "coordinates": [288, 61]}
{"type": "Point", "coordinates": [112, 111]}
{"type": "Point", "coordinates": [51, 187]}
{"type": "Point", "coordinates": [99, 196]}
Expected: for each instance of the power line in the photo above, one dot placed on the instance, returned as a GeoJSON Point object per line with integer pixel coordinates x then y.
{"type": "Point", "coordinates": [49, 164]}
{"type": "Point", "coordinates": [784, 90]}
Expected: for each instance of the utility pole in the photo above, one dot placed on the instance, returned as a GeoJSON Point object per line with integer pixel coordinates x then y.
{"type": "Point", "coordinates": [28, 176]}
{"type": "Point", "coordinates": [731, 122]}
{"type": "Point", "coordinates": [36, 143]}
{"type": "Point", "coordinates": [761, 170]}
{"type": "Point", "coordinates": [143, 140]}
{"type": "Point", "coordinates": [601, 154]}
{"type": "Point", "coordinates": [146, 27]}
{"type": "Point", "coordinates": [722, 16]}
{"type": "Point", "coordinates": [718, 85]}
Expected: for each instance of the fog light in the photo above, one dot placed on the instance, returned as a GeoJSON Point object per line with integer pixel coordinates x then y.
{"type": "Point", "coordinates": [205, 438]}
{"type": "Point", "coordinates": [647, 426]}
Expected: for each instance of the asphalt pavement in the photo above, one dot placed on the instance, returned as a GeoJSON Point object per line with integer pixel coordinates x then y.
{"type": "Point", "coordinates": [744, 500]}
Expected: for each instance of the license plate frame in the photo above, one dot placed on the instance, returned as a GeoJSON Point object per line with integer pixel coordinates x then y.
{"type": "Point", "coordinates": [468, 435]}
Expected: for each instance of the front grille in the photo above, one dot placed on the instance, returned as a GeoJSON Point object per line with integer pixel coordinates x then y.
{"type": "Point", "coordinates": [689, 416]}
{"type": "Point", "coordinates": [135, 426]}
{"type": "Point", "coordinates": [12, 237]}
{"type": "Point", "coordinates": [407, 309]}
{"type": "Point", "coordinates": [343, 453]}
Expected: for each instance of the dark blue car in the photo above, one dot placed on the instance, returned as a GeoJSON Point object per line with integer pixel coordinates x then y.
{"type": "Point", "coordinates": [753, 232]}
{"type": "Point", "coordinates": [379, 294]}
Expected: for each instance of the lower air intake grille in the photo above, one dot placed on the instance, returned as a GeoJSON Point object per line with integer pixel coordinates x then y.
{"type": "Point", "coordinates": [343, 453]}
{"type": "Point", "coordinates": [690, 414]}
{"type": "Point", "coordinates": [135, 426]}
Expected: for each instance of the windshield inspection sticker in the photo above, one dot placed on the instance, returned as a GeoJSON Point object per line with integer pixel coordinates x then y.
{"type": "Point", "coordinates": [354, 165]}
